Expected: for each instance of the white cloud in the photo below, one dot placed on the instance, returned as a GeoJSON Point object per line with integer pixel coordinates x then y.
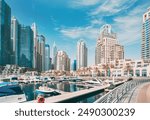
{"type": "Point", "coordinates": [112, 6]}
{"type": "Point", "coordinates": [88, 32]}
{"type": "Point", "coordinates": [83, 3]}
{"type": "Point", "coordinates": [97, 22]}
{"type": "Point", "coordinates": [129, 27]}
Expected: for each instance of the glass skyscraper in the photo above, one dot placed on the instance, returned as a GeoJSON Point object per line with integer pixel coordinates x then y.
{"type": "Point", "coordinates": [5, 25]}
{"type": "Point", "coordinates": [41, 53]}
{"type": "Point", "coordinates": [15, 36]}
{"type": "Point", "coordinates": [26, 47]}
{"type": "Point", "coordinates": [47, 57]}
{"type": "Point", "coordinates": [54, 52]}
{"type": "Point", "coordinates": [146, 36]}
{"type": "Point", "coordinates": [74, 65]}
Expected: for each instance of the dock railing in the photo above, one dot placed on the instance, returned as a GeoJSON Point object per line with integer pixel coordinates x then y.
{"type": "Point", "coordinates": [116, 94]}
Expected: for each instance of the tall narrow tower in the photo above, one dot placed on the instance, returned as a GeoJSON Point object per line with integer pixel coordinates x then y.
{"type": "Point", "coordinates": [81, 54]}
{"type": "Point", "coordinates": [54, 52]}
{"type": "Point", "coordinates": [146, 36]}
{"type": "Point", "coordinates": [15, 36]}
{"type": "Point", "coordinates": [35, 37]}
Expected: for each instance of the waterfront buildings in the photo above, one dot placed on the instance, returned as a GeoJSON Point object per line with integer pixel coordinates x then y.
{"type": "Point", "coordinates": [125, 67]}
{"type": "Point", "coordinates": [5, 26]}
{"type": "Point", "coordinates": [41, 53]}
{"type": "Point", "coordinates": [47, 57]}
{"type": "Point", "coordinates": [54, 52]}
{"type": "Point", "coordinates": [13, 70]}
{"type": "Point", "coordinates": [146, 36]}
{"type": "Point", "coordinates": [117, 68]}
{"type": "Point", "coordinates": [81, 54]}
{"type": "Point", "coordinates": [26, 47]}
{"type": "Point", "coordinates": [15, 37]}
{"type": "Point", "coordinates": [129, 67]}
{"type": "Point", "coordinates": [35, 37]}
{"type": "Point", "coordinates": [62, 61]}
{"type": "Point", "coordinates": [107, 47]}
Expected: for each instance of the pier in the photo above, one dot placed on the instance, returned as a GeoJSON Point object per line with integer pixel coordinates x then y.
{"type": "Point", "coordinates": [73, 97]}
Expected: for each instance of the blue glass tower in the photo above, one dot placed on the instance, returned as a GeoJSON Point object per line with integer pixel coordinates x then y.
{"type": "Point", "coordinates": [47, 57]}
{"type": "Point", "coordinates": [26, 47]}
{"type": "Point", "coordinates": [5, 41]}
{"type": "Point", "coordinates": [74, 65]}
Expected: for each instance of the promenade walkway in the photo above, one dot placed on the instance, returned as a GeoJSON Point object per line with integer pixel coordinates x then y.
{"type": "Point", "coordinates": [141, 94]}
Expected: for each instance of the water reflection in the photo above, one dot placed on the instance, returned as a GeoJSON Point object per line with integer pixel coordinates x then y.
{"type": "Point", "coordinates": [29, 89]}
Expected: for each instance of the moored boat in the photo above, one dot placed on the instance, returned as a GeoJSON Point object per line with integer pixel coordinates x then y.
{"type": "Point", "coordinates": [11, 93]}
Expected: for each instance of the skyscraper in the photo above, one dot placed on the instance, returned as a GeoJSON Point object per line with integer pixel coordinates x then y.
{"type": "Point", "coordinates": [74, 65]}
{"type": "Point", "coordinates": [54, 52]}
{"type": "Point", "coordinates": [26, 47]}
{"type": "Point", "coordinates": [41, 53]}
{"type": "Point", "coordinates": [47, 57]}
{"type": "Point", "coordinates": [107, 48]}
{"type": "Point", "coordinates": [63, 61]}
{"type": "Point", "coordinates": [15, 36]}
{"type": "Point", "coordinates": [146, 36]}
{"type": "Point", "coordinates": [81, 54]}
{"type": "Point", "coordinates": [5, 41]}
{"type": "Point", "coordinates": [35, 33]}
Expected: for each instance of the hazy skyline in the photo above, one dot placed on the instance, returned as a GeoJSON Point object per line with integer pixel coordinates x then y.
{"type": "Point", "coordinates": [68, 21]}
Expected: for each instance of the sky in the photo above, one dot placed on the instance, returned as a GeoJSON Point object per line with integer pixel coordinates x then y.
{"type": "Point", "coordinates": [67, 21]}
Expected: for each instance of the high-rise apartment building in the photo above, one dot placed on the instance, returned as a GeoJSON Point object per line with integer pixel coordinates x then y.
{"type": "Point", "coordinates": [54, 52]}
{"type": "Point", "coordinates": [41, 53]}
{"type": "Point", "coordinates": [81, 54]}
{"type": "Point", "coordinates": [107, 48]}
{"type": "Point", "coordinates": [47, 57]}
{"type": "Point", "coordinates": [5, 41]}
{"type": "Point", "coordinates": [15, 37]}
{"type": "Point", "coordinates": [62, 61]}
{"type": "Point", "coordinates": [35, 37]}
{"type": "Point", "coordinates": [146, 36]}
{"type": "Point", "coordinates": [26, 47]}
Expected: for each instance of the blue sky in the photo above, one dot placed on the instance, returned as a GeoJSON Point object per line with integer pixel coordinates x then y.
{"type": "Point", "coordinates": [67, 21]}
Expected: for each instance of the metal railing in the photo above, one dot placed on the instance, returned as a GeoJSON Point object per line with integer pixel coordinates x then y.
{"type": "Point", "coordinates": [117, 94]}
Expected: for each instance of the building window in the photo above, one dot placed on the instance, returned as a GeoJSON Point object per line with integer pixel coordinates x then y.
{"type": "Point", "coordinates": [131, 72]}
{"type": "Point", "coordinates": [144, 72]}
{"type": "Point", "coordinates": [137, 73]}
{"type": "Point", "coordinates": [125, 73]}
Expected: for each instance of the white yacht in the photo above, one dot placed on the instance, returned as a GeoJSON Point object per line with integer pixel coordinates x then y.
{"type": "Point", "coordinates": [46, 79]}
{"type": "Point", "coordinates": [94, 81]}
{"type": "Point", "coordinates": [44, 90]}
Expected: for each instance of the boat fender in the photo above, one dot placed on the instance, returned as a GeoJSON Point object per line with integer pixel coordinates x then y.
{"type": "Point", "coordinates": [40, 99]}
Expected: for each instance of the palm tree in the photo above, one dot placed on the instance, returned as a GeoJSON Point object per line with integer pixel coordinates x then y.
{"type": "Point", "coordinates": [128, 68]}
{"type": "Point", "coordinates": [106, 68]}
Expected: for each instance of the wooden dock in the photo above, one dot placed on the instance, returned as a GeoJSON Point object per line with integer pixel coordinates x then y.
{"type": "Point", "coordinates": [73, 96]}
